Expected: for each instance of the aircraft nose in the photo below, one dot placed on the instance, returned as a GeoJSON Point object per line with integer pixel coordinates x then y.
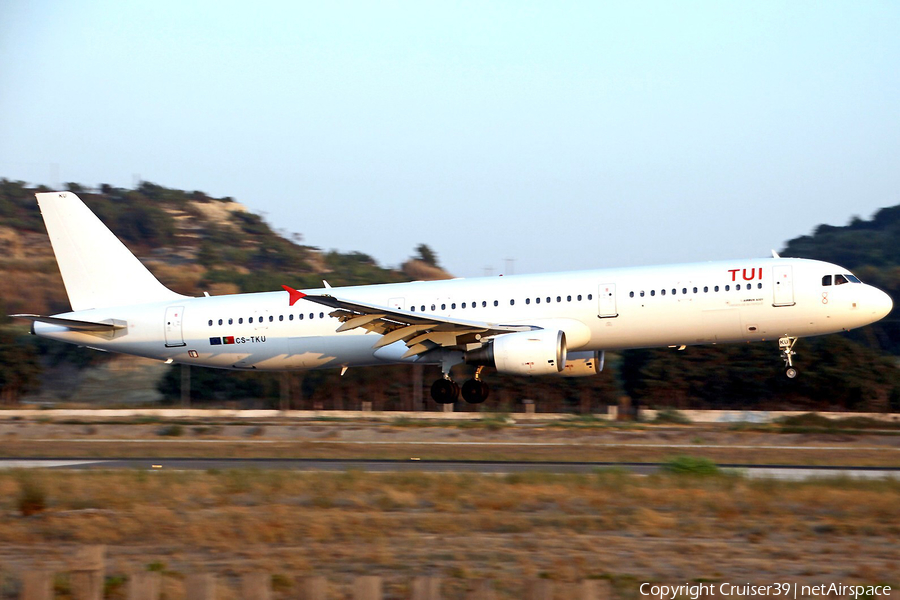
{"type": "Point", "coordinates": [882, 303]}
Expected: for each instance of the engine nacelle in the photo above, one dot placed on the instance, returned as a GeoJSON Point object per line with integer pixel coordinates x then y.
{"type": "Point", "coordinates": [539, 352]}
{"type": "Point", "coordinates": [583, 364]}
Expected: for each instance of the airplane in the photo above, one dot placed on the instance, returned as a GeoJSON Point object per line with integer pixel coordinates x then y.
{"type": "Point", "coordinates": [558, 324]}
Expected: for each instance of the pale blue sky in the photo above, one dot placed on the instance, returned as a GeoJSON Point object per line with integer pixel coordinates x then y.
{"type": "Point", "coordinates": [564, 135]}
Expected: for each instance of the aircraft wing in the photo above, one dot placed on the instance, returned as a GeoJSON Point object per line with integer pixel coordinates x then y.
{"type": "Point", "coordinates": [420, 332]}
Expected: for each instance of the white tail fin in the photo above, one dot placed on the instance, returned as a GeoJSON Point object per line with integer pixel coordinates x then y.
{"type": "Point", "coordinates": [97, 269]}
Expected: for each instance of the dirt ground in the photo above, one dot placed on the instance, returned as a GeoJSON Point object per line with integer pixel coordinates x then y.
{"type": "Point", "coordinates": [613, 525]}
{"type": "Point", "coordinates": [493, 439]}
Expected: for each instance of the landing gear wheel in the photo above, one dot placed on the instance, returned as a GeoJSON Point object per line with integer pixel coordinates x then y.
{"type": "Point", "coordinates": [475, 391]}
{"type": "Point", "coordinates": [786, 346]}
{"type": "Point", "coordinates": [444, 391]}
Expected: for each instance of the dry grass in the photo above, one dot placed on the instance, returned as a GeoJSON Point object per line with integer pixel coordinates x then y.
{"type": "Point", "coordinates": [462, 527]}
{"type": "Point", "coordinates": [13, 447]}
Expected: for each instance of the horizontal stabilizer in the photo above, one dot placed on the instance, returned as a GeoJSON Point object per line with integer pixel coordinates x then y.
{"type": "Point", "coordinates": [75, 325]}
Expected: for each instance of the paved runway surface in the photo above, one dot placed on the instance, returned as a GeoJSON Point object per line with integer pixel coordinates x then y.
{"type": "Point", "coordinates": [792, 472]}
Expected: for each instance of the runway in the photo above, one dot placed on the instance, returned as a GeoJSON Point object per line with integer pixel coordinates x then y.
{"type": "Point", "coordinates": [772, 471]}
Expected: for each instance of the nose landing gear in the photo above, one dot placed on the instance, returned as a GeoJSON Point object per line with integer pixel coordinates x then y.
{"type": "Point", "coordinates": [786, 346]}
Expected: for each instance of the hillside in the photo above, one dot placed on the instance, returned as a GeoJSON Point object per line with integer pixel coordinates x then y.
{"type": "Point", "coordinates": [192, 242]}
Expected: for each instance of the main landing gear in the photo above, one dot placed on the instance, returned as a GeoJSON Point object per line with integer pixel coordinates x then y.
{"type": "Point", "coordinates": [786, 346]}
{"type": "Point", "coordinates": [446, 391]}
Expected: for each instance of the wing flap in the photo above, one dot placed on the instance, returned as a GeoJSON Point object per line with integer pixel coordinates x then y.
{"type": "Point", "coordinates": [420, 332]}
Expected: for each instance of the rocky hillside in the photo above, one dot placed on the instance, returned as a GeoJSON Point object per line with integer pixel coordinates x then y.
{"type": "Point", "coordinates": [192, 242]}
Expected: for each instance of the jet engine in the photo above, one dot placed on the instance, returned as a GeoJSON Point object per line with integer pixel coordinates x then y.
{"type": "Point", "coordinates": [539, 352]}
{"type": "Point", "coordinates": [583, 364]}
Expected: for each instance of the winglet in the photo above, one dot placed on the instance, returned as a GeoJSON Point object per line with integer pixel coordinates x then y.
{"type": "Point", "coordinates": [295, 295]}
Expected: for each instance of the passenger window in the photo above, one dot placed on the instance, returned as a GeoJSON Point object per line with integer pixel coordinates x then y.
{"type": "Point", "coordinates": [559, 298]}
{"type": "Point", "coordinates": [537, 300]}
{"type": "Point", "coordinates": [716, 289]}
{"type": "Point", "coordinates": [463, 304]}
{"type": "Point", "coordinates": [412, 309]}
{"type": "Point", "coordinates": [423, 308]}
{"type": "Point", "coordinates": [738, 287]}
{"type": "Point", "coordinates": [433, 308]}
{"type": "Point", "coordinates": [527, 300]}
{"type": "Point", "coordinates": [496, 303]}
{"type": "Point", "coordinates": [727, 288]}
{"type": "Point", "coordinates": [840, 280]}
{"type": "Point", "coordinates": [443, 307]}
{"type": "Point", "coordinates": [271, 319]}
{"type": "Point", "coordinates": [548, 299]}
{"type": "Point", "coordinates": [568, 298]}
{"type": "Point", "coordinates": [631, 294]}
{"type": "Point", "coordinates": [291, 317]}
{"type": "Point", "coordinates": [230, 321]}
{"type": "Point", "coordinates": [759, 285]}
{"type": "Point", "coordinates": [642, 293]}
{"type": "Point", "coordinates": [321, 315]}
{"type": "Point", "coordinates": [684, 290]}
{"type": "Point", "coordinates": [483, 303]}
{"type": "Point", "coordinates": [695, 290]}
{"type": "Point", "coordinates": [590, 296]}
{"type": "Point", "coordinates": [300, 316]}
{"type": "Point", "coordinates": [662, 292]}
{"type": "Point", "coordinates": [705, 289]}
{"type": "Point", "coordinates": [453, 306]}
{"type": "Point", "coordinates": [240, 320]}
{"type": "Point", "coordinates": [312, 315]}
{"type": "Point", "coordinates": [826, 280]}
{"type": "Point", "coordinates": [652, 292]}
{"type": "Point", "coordinates": [512, 302]}
{"type": "Point", "coordinates": [674, 291]}
{"type": "Point", "coordinates": [220, 321]}
{"type": "Point", "coordinates": [281, 317]}
{"type": "Point", "coordinates": [250, 320]}
{"type": "Point", "coordinates": [210, 322]}
{"type": "Point", "coordinates": [579, 297]}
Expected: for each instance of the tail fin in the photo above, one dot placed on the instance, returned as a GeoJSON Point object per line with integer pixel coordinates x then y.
{"type": "Point", "coordinates": [97, 269]}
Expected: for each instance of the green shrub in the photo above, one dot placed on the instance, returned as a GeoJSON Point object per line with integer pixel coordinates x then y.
{"type": "Point", "coordinates": [691, 465]}
{"type": "Point", "coordinates": [670, 415]}
{"type": "Point", "coordinates": [172, 431]}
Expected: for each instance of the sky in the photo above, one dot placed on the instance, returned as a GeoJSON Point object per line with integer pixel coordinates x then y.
{"type": "Point", "coordinates": [558, 135]}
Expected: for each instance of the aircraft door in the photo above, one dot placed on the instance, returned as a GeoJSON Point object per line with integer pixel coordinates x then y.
{"type": "Point", "coordinates": [606, 298]}
{"type": "Point", "coordinates": [783, 292]}
{"type": "Point", "coordinates": [174, 334]}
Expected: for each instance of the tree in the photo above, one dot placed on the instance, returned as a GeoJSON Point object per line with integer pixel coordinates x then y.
{"type": "Point", "coordinates": [426, 255]}
{"type": "Point", "coordinates": [19, 368]}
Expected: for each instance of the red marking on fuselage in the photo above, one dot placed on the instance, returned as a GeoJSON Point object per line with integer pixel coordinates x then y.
{"type": "Point", "coordinates": [754, 274]}
{"type": "Point", "coordinates": [294, 294]}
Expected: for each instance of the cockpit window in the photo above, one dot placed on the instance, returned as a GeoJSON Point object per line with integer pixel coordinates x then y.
{"type": "Point", "coordinates": [826, 280]}
{"type": "Point", "coordinates": [840, 280]}
{"type": "Point", "coordinates": [852, 278]}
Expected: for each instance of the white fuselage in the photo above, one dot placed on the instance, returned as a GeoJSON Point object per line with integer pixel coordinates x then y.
{"type": "Point", "coordinates": [607, 309]}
